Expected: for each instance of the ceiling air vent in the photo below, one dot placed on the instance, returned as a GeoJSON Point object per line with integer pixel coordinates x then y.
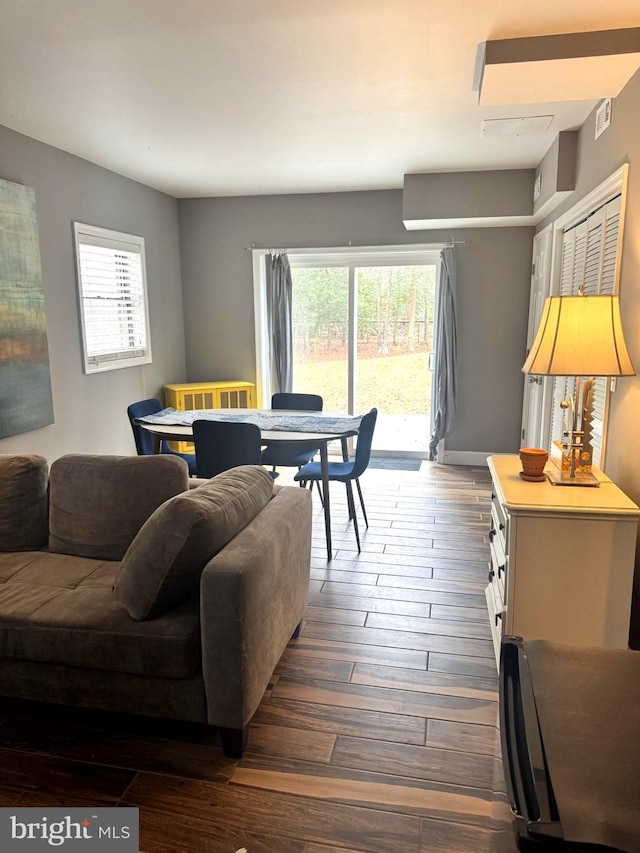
{"type": "Point", "coordinates": [521, 126]}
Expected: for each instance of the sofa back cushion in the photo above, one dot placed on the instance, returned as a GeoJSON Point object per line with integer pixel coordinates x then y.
{"type": "Point", "coordinates": [99, 503]}
{"type": "Point", "coordinates": [164, 562]}
{"type": "Point", "coordinates": [23, 502]}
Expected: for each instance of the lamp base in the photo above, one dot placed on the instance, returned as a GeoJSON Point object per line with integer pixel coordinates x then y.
{"type": "Point", "coordinates": [581, 478]}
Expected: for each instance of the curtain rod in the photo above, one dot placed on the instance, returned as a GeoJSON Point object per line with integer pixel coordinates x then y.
{"type": "Point", "coordinates": [448, 244]}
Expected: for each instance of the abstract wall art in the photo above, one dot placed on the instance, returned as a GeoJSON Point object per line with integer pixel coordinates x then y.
{"type": "Point", "coordinates": [25, 380]}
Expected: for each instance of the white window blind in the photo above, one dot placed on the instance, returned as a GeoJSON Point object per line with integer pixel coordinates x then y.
{"type": "Point", "coordinates": [113, 298]}
{"type": "Point", "coordinates": [589, 258]}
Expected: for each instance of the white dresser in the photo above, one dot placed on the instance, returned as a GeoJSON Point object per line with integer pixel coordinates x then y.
{"type": "Point", "coordinates": [562, 559]}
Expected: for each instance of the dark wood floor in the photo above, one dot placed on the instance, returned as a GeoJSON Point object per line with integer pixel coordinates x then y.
{"type": "Point", "coordinates": [377, 734]}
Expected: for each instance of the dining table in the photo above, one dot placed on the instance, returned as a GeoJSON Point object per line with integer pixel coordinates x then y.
{"type": "Point", "coordinates": [305, 429]}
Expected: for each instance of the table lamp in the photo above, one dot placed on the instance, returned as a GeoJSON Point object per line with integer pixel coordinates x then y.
{"type": "Point", "coordinates": [579, 336]}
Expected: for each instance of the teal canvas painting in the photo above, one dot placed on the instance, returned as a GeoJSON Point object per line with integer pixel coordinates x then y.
{"type": "Point", "coordinates": [25, 379]}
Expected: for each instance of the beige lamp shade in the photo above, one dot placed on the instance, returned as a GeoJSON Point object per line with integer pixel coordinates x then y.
{"type": "Point", "coordinates": [580, 336]}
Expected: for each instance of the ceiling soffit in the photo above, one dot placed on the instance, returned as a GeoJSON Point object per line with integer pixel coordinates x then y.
{"type": "Point", "coordinates": [563, 67]}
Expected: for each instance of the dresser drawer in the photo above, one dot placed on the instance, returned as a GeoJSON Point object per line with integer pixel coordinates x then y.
{"type": "Point", "coordinates": [498, 525]}
{"type": "Point", "coordinates": [497, 612]}
{"type": "Point", "coordinates": [498, 568]}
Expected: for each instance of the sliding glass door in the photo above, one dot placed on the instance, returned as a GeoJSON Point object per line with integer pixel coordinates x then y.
{"type": "Point", "coordinates": [363, 337]}
{"type": "Point", "coordinates": [320, 321]}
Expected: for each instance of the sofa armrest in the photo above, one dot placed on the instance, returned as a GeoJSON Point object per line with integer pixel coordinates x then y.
{"type": "Point", "coordinates": [252, 596]}
{"type": "Point", "coordinates": [195, 482]}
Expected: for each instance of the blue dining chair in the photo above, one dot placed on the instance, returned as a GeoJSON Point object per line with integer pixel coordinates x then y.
{"type": "Point", "coordinates": [345, 472]}
{"type": "Point", "coordinates": [144, 439]}
{"type": "Point", "coordinates": [221, 445]}
{"type": "Point", "coordinates": [286, 455]}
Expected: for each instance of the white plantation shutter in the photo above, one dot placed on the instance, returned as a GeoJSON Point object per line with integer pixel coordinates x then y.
{"type": "Point", "coordinates": [610, 246]}
{"type": "Point", "coordinates": [592, 273]}
{"type": "Point", "coordinates": [589, 258]}
{"type": "Point", "coordinates": [113, 298]}
{"type": "Point", "coordinates": [579, 256]}
{"type": "Point", "coordinates": [563, 385]}
{"type": "Point", "coordinates": [566, 269]}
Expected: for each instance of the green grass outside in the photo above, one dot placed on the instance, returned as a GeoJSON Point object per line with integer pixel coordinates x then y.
{"type": "Point", "coordinates": [394, 384]}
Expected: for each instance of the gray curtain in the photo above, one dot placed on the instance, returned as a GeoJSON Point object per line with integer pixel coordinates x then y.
{"type": "Point", "coordinates": [279, 289]}
{"type": "Point", "coordinates": [446, 337]}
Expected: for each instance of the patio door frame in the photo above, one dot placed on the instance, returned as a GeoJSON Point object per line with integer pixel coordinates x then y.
{"type": "Point", "coordinates": [347, 256]}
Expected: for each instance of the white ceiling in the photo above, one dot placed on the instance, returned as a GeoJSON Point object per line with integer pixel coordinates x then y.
{"type": "Point", "coordinates": [243, 97]}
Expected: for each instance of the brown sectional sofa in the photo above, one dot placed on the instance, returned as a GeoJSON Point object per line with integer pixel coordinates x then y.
{"type": "Point", "coordinates": [122, 589]}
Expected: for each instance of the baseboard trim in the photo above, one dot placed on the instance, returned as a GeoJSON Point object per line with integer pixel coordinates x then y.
{"type": "Point", "coordinates": [463, 457]}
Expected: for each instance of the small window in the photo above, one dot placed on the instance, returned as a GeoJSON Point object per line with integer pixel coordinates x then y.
{"type": "Point", "coordinates": [112, 289]}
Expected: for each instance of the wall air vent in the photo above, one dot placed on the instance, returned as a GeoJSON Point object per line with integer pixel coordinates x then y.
{"type": "Point", "coordinates": [603, 117]}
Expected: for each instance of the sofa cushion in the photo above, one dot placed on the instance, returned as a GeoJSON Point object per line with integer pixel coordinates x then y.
{"type": "Point", "coordinates": [23, 502]}
{"type": "Point", "coordinates": [57, 609]}
{"type": "Point", "coordinates": [99, 503]}
{"type": "Point", "coordinates": [164, 562]}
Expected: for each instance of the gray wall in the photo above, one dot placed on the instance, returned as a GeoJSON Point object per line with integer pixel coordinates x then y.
{"type": "Point", "coordinates": [597, 159]}
{"type": "Point", "coordinates": [557, 171]}
{"type": "Point", "coordinates": [90, 411]}
{"type": "Point", "coordinates": [493, 292]}
{"type": "Point", "coordinates": [466, 195]}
